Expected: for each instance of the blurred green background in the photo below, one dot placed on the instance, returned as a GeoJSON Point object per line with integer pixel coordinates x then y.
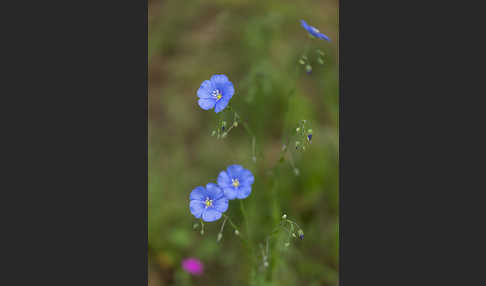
{"type": "Point", "coordinates": [257, 44]}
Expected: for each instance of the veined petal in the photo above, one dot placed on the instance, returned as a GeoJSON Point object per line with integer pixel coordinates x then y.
{"type": "Point", "coordinates": [205, 89]}
{"type": "Point", "coordinates": [247, 177]}
{"type": "Point", "coordinates": [206, 103]}
{"type": "Point", "coordinates": [221, 205]}
{"type": "Point", "coordinates": [199, 193]}
{"type": "Point", "coordinates": [214, 192]}
{"type": "Point", "coordinates": [224, 180]}
{"type": "Point", "coordinates": [234, 170]}
{"type": "Point", "coordinates": [197, 208]}
{"type": "Point", "coordinates": [230, 193]}
{"type": "Point", "coordinates": [221, 104]}
{"type": "Point", "coordinates": [243, 192]}
{"type": "Point", "coordinates": [219, 79]}
{"type": "Point", "coordinates": [210, 214]}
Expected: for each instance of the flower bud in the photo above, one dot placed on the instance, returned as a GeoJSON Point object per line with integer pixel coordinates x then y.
{"type": "Point", "coordinates": [195, 226]}
{"type": "Point", "coordinates": [235, 124]}
{"type": "Point", "coordinates": [298, 129]}
{"type": "Point", "coordinates": [293, 235]}
{"type": "Point", "coordinates": [202, 231]}
{"type": "Point", "coordinates": [223, 123]}
{"type": "Point", "coordinates": [265, 264]}
{"type": "Point", "coordinates": [237, 232]}
{"type": "Point", "coordinates": [310, 130]}
{"type": "Point", "coordinates": [296, 171]}
{"type": "Point", "coordinates": [301, 234]}
{"type": "Point", "coordinates": [213, 133]}
{"type": "Point", "coordinates": [287, 244]}
{"type": "Point", "coordinates": [284, 216]}
{"type": "Point", "coordinates": [220, 236]}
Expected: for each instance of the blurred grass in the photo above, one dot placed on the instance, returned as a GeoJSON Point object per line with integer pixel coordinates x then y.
{"type": "Point", "coordinates": [257, 44]}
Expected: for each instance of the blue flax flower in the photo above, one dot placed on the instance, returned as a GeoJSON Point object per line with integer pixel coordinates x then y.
{"type": "Point", "coordinates": [215, 92]}
{"type": "Point", "coordinates": [208, 203]}
{"type": "Point", "coordinates": [314, 31]}
{"type": "Point", "coordinates": [236, 182]}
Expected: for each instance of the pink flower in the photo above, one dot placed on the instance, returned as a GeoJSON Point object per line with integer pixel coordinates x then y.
{"type": "Point", "coordinates": [193, 266]}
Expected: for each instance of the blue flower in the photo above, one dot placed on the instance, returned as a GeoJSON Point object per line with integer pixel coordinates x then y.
{"type": "Point", "coordinates": [215, 92]}
{"type": "Point", "coordinates": [314, 31]}
{"type": "Point", "coordinates": [208, 203]}
{"type": "Point", "coordinates": [236, 182]}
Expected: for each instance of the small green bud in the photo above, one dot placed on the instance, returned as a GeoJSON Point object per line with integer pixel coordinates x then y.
{"type": "Point", "coordinates": [296, 171]}
{"type": "Point", "coordinates": [265, 263]}
{"type": "Point", "coordinates": [220, 236]}
{"type": "Point", "coordinates": [308, 68]}
{"type": "Point", "coordinates": [224, 135]}
{"type": "Point", "coordinates": [320, 61]}
{"type": "Point", "coordinates": [195, 226]}
{"type": "Point", "coordinates": [309, 131]}
{"type": "Point", "coordinates": [297, 143]}
{"type": "Point", "coordinates": [303, 148]}
{"type": "Point", "coordinates": [237, 232]}
{"type": "Point", "coordinates": [284, 216]}
{"type": "Point", "coordinates": [298, 129]}
{"type": "Point", "coordinates": [213, 133]}
{"type": "Point", "coordinates": [287, 244]}
{"type": "Point", "coordinates": [301, 61]}
{"type": "Point", "coordinates": [235, 124]}
{"type": "Point", "coordinates": [293, 235]}
{"type": "Point", "coordinates": [223, 123]}
{"type": "Point", "coordinates": [202, 231]}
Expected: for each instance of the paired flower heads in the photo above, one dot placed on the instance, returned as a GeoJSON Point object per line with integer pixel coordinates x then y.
{"type": "Point", "coordinates": [210, 202]}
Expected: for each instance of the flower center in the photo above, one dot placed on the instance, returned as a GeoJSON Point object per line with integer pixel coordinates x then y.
{"type": "Point", "coordinates": [208, 202]}
{"type": "Point", "coordinates": [216, 94]}
{"type": "Point", "coordinates": [235, 182]}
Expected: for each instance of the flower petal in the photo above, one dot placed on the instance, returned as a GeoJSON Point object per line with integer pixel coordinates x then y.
{"type": "Point", "coordinates": [199, 193]}
{"type": "Point", "coordinates": [247, 177]}
{"type": "Point", "coordinates": [210, 214]}
{"type": "Point", "coordinates": [219, 79]}
{"type": "Point", "coordinates": [243, 192]}
{"type": "Point", "coordinates": [197, 208]}
{"type": "Point", "coordinates": [230, 193]}
{"type": "Point", "coordinates": [205, 89]}
{"type": "Point", "coordinates": [221, 104]}
{"type": "Point", "coordinates": [322, 36]}
{"type": "Point", "coordinates": [214, 192]}
{"type": "Point", "coordinates": [304, 24]}
{"type": "Point", "coordinates": [221, 205]}
{"type": "Point", "coordinates": [224, 181]}
{"type": "Point", "coordinates": [234, 170]}
{"type": "Point", "coordinates": [206, 103]}
{"type": "Point", "coordinates": [228, 90]}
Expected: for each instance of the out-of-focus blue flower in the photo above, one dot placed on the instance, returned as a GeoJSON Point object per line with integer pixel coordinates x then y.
{"type": "Point", "coordinates": [314, 31]}
{"type": "Point", "coordinates": [208, 203]}
{"type": "Point", "coordinates": [215, 92]}
{"type": "Point", "coordinates": [236, 182]}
